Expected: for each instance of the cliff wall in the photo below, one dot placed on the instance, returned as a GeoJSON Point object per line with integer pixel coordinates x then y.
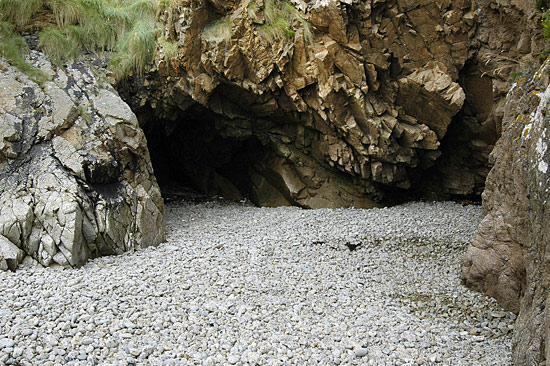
{"type": "Point", "coordinates": [508, 258]}
{"type": "Point", "coordinates": [76, 181]}
{"type": "Point", "coordinates": [351, 99]}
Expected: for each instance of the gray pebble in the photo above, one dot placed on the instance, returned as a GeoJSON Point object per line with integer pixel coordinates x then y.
{"type": "Point", "coordinates": [6, 342]}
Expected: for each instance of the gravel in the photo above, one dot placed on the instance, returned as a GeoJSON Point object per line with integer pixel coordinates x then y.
{"type": "Point", "coordinates": [240, 285]}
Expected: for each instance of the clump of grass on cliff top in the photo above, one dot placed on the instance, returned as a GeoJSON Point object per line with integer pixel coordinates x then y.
{"type": "Point", "coordinates": [220, 30]}
{"type": "Point", "coordinates": [125, 27]}
{"type": "Point", "coordinates": [13, 48]}
{"type": "Point", "coordinates": [281, 20]}
{"type": "Point", "coordinates": [135, 51]}
{"type": "Point", "coordinates": [19, 12]}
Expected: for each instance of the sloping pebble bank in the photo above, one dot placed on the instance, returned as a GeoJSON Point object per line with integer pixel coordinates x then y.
{"type": "Point", "coordinates": [236, 284]}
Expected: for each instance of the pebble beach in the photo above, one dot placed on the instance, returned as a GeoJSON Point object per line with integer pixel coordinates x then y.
{"type": "Point", "coordinates": [236, 284]}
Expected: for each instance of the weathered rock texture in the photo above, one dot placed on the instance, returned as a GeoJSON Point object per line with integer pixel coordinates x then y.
{"type": "Point", "coordinates": [508, 36]}
{"type": "Point", "coordinates": [75, 176]}
{"type": "Point", "coordinates": [345, 117]}
{"type": "Point", "coordinates": [509, 257]}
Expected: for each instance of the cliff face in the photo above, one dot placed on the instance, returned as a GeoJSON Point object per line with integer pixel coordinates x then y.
{"type": "Point", "coordinates": [76, 181]}
{"type": "Point", "coordinates": [507, 259]}
{"type": "Point", "coordinates": [509, 256]}
{"type": "Point", "coordinates": [507, 37]}
{"type": "Point", "coordinates": [347, 100]}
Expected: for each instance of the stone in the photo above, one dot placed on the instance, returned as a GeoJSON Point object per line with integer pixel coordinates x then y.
{"type": "Point", "coordinates": [361, 352]}
{"type": "Point", "coordinates": [343, 113]}
{"type": "Point", "coordinates": [10, 253]}
{"type": "Point", "coordinates": [431, 86]}
{"type": "Point", "coordinates": [233, 359]}
{"type": "Point", "coordinates": [76, 180]}
{"type": "Point", "coordinates": [6, 342]}
{"type": "Point", "coordinates": [507, 257]}
{"type": "Point", "coordinates": [17, 352]}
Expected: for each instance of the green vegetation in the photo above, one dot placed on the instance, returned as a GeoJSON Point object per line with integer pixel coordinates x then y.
{"type": "Point", "coordinates": [135, 51]}
{"type": "Point", "coordinates": [218, 31]}
{"type": "Point", "coordinates": [544, 54]}
{"type": "Point", "coordinates": [169, 48]}
{"type": "Point", "coordinates": [14, 48]}
{"type": "Point", "coordinates": [19, 12]}
{"type": "Point", "coordinates": [542, 4]}
{"type": "Point", "coordinates": [546, 24]}
{"type": "Point", "coordinates": [125, 27]}
{"type": "Point", "coordinates": [281, 20]}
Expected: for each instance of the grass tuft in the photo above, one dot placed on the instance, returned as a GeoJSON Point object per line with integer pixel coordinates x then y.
{"type": "Point", "coordinates": [61, 44]}
{"type": "Point", "coordinates": [125, 27]}
{"type": "Point", "coordinates": [19, 12]}
{"type": "Point", "coordinates": [169, 48]}
{"type": "Point", "coordinates": [135, 51]}
{"type": "Point", "coordinates": [546, 24]}
{"type": "Point", "coordinates": [218, 31]}
{"type": "Point", "coordinates": [67, 11]}
{"type": "Point", "coordinates": [13, 48]}
{"type": "Point", "coordinates": [281, 21]}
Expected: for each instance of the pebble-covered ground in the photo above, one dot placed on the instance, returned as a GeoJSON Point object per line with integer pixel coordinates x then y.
{"type": "Point", "coordinates": [236, 284]}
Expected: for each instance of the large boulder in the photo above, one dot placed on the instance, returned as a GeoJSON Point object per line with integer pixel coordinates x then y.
{"type": "Point", "coordinates": [75, 176]}
{"type": "Point", "coordinates": [509, 256]}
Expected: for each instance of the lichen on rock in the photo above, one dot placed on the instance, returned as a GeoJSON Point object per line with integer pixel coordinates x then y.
{"type": "Point", "coordinates": [508, 258]}
{"type": "Point", "coordinates": [75, 176]}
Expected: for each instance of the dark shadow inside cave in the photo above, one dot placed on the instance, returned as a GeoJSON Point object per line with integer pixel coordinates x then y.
{"type": "Point", "coordinates": [460, 172]}
{"type": "Point", "coordinates": [190, 155]}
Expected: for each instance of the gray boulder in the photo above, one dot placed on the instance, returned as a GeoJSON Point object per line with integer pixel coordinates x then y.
{"type": "Point", "coordinates": [76, 180]}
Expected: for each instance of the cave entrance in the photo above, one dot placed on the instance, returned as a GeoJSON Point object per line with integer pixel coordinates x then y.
{"type": "Point", "coordinates": [190, 155]}
{"type": "Point", "coordinates": [461, 170]}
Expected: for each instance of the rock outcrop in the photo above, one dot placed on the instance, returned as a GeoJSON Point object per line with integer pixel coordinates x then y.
{"type": "Point", "coordinates": [509, 255]}
{"type": "Point", "coordinates": [508, 35]}
{"type": "Point", "coordinates": [351, 99]}
{"type": "Point", "coordinates": [75, 176]}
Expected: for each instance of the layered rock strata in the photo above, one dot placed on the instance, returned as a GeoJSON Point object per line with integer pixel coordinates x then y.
{"type": "Point", "coordinates": [509, 255]}
{"type": "Point", "coordinates": [352, 99]}
{"type": "Point", "coordinates": [75, 177]}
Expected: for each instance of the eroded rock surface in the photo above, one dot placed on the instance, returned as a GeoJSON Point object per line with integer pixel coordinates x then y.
{"type": "Point", "coordinates": [353, 101]}
{"type": "Point", "coordinates": [509, 255]}
{"type": "Point", "coordinates": [75, 177]}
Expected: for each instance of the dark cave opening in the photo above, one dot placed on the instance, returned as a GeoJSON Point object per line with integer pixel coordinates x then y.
{"type": "Point", "coordinates": [460, 172]}
{"type": "Point", "coordinates": [190, 154]}
{"type": "Point", "coordinates": [238, 157]}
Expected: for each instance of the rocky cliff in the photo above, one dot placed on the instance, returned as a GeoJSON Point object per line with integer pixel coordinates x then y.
{"type": "Point", "coordinates": [317, 104]}
{"type": "Point", "coordinates": [509, 256]}
{"type": "Point", "coordinates": [75, 176]}
{"type": "Point", "coordinates": [333, 103]}
{"type": "Point", "coordinates": [342, 102]}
